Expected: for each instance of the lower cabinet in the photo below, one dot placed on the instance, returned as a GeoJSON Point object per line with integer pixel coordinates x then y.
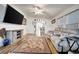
{"type": "Point", "coordinates": [13, 35]}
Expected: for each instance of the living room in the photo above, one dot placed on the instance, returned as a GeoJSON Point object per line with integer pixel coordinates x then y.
{"type": "Point", "coordinates": [37, 24]}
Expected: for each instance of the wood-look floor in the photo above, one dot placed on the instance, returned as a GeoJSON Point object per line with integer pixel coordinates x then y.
{"type": "Point", "coordinates": [11, 48]}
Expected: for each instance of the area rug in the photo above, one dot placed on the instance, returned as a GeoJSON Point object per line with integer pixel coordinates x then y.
{"type": "Point", "coordinates": [33, 44]}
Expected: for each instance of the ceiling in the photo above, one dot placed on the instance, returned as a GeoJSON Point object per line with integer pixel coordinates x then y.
{"type": "Point", "coordinates": [47, 10]}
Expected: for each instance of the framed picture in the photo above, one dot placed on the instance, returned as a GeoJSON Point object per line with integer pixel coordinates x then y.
{"type": "Point", "coordinates": [53, 21]}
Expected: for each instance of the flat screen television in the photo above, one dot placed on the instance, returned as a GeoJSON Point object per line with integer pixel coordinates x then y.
{"type": "Point", "coordinates": [12, 16]}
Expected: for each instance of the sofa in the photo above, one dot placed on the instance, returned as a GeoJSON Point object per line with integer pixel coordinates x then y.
{"type": "Point", "coordinates": [68, 44]}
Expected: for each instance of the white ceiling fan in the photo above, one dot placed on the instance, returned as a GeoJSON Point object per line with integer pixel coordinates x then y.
{"type": "Point", "coordinates": [40, 10]}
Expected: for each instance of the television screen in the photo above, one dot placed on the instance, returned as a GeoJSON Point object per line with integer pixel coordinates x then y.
{"type": "Point", "coordinates": [12, 16]}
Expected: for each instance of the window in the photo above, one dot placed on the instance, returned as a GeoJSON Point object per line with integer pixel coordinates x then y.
{"type": "Point", "coordinates": [73, 17]}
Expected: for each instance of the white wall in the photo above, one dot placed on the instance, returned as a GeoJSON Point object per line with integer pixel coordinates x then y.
{"type": "Point", "coordinates": [74, 7]}
{"type": "Point", "coordinates": [30, 27]}
{"type": "Point", "coordinates": [3, 10]}
{"type": "Point", "coordinates": [48, 25]}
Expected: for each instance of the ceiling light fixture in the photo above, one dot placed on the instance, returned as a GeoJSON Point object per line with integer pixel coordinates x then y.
{"type": "Point", "coordinates": [38, 11]}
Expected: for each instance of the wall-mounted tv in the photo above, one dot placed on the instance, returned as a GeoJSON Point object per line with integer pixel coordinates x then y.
{"type": "Point", "coordinates": [13, 16]}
